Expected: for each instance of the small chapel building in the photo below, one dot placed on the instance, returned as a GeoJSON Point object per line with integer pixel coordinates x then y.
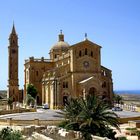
{"type": "Point", "coordinates": [72, 71]}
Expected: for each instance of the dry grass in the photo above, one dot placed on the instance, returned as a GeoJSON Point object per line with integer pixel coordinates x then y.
{"type": "Point", "coordinates": [131, 99]}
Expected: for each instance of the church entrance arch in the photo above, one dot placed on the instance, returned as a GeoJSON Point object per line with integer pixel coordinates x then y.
{"type": "Point", "coordinates": [92, 91]}
{"type": "Point", "coordinates": [37, 99]}
{"type": "Point", "coordinates": [65, 98]}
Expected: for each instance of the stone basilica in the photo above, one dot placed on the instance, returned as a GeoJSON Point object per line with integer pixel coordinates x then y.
{"type": "Point", "coordinates": [72, 71]}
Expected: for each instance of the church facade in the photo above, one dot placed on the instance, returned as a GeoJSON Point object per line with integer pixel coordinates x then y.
{"type": "Point", "coordinates": [72, 71]}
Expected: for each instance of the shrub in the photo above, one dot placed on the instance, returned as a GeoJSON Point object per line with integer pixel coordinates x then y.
{"type": "Point", "coordinates": [63, 124]}
{"type": "Point", "coordinates": [9, 134]}
{"type": "Point", "coordinates": [122, 138]}
{"type": "Point", "coordinates": [131, 129]}
{"type": "Point", "coordinates": [138, 133]}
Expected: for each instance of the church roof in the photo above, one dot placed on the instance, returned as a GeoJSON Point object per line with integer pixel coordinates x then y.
{"type": "Point", "coordinates": [85, 80]}
{"type": "Point", "coordinates": [13, 29]}
{"type": "Point", "coordinates": [13, 32]}
{"type": "Point", "coordinates": [86, 41]}
{"type": "Point", "coordinates": [105, 68]}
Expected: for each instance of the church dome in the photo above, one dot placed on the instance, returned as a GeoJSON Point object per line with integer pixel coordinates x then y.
{"type": "Point", "coordinates": [61, 44]}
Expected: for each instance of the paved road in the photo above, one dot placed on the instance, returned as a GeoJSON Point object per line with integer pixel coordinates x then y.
{"type": "Point", "coordinates": [40, 114]}
{"type": "Point", "coordinates": [126, 114]}
{"type": "Point", "coordinates": [53, 115]}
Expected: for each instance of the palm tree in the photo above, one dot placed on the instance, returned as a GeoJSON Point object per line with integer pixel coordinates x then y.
{"type": "Point", "coordinates": [90, 116]}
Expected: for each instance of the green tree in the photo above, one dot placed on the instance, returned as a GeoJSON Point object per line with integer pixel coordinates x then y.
{"type": "Point", "coordinates": [9, 134]}
{"type": "Point", "coordinates": [90, 116]}
{"type": "Point", "coordinates": [32, 90]}
{"type": "Point", "coordinates": [138, 134]}
{"type": "Point", "coordinates": [117, 99]}
{"type": "Point", "coordinates": [10, 102]}
{"type": "Point", "coordinates": [30, 100]}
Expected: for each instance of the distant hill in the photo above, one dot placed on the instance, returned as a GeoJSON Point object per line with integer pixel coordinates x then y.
{"type": "Point", "coordinates": [3, 93]}
{"type": "Point", "coordinates": [130, 96]}
{"type": "Point", "coordinates": [127, 91]}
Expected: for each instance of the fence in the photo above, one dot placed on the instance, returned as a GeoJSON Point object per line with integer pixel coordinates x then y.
{"type": "Point", "coordinates": [129, 107]}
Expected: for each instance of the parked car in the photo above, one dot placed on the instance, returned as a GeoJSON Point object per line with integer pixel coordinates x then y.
{"type": "Point", "coordinates": [45, 106]}
{"type": "Point", "coordinates": [117, 109]}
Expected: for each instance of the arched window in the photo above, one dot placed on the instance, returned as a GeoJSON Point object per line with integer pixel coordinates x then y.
{"type": "Point", "coordinates": [85, 51]}
{"type": "Point", "coordinates": [80, 53]}
{"type": "Point", "coordinates": [91, 53]}
{"type": "Point", "coordinates": [66, 84]}
{"type": "Point", "coordinates": [27, 75]}
{"type": "Point", "coordinates": [36, 73]}
{"type": "Point", "coordinates": [104, 96]}
{"type": "Point", "coordinates": [63, 84]}
{"type": "Point", "coordinates": [104, 85]}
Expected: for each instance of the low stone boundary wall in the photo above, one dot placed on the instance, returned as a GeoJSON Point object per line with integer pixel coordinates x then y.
{"type": "Point", "coordinates": [3, 112]}
{"type": "Point", "coordinates": [38, 136]}
{"type": "Point", "coordinates": [10, 121]}
{"type": "Point", "coordinates": [135, 123]}
{"type": "Point", "coordinates": [125, 120]}
{"type": "Point", "coordinates": [99, 138]}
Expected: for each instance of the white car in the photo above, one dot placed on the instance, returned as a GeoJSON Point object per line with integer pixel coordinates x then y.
{"type": "Point", "coordinates": [45, 106]}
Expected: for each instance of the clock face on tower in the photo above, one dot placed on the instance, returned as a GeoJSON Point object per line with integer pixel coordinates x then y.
{"type": "Point", "coordinates": [86, 64]}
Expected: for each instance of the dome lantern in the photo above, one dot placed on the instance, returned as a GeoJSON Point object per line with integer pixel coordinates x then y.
{"type": "Point", "coordinates": [61, 36]}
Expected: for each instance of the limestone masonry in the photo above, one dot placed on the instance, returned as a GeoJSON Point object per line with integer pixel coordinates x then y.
{"type": "Point", "coordinates": [72, 71]}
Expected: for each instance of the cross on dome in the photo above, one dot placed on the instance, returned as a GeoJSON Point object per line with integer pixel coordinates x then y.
{"type": "Point", "coordinates": [61, 31]}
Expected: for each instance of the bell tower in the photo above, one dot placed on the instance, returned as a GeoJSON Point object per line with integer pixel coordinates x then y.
{"type": "Point", "coordinates": [13, 87]}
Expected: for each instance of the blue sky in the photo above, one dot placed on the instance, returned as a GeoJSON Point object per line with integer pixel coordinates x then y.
{"type": "Point", "coordinates": [113, 24]}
